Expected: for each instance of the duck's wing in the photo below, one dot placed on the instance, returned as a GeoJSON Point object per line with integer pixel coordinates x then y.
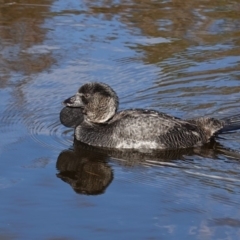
{"type": "Point", "coordinates": [156, 128]}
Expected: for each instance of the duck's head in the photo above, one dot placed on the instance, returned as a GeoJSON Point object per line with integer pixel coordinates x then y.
{"type": "Point", "coordinates": [98, 101]}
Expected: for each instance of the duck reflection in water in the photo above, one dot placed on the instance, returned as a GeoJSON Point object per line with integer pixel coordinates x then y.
{"type": "Point", "coordinates": [87, 169]}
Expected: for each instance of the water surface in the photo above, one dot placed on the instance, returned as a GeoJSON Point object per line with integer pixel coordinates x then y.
{"type": "Point", "coordinates": [182, 58]}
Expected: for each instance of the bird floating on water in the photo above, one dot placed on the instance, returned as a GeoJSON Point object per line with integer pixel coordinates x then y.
{"type": "Point", "coordinates": [102, 125]}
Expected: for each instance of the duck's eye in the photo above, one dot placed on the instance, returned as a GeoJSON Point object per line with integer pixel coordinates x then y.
{"type": "Point", "coordinates": [85, 98]}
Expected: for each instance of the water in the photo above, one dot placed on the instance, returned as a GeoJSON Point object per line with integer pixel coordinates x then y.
{"type": "Point", "coordinates": [182, 58]}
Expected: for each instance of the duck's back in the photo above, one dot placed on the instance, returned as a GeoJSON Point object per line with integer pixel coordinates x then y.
{"type": "Point", "coordinates": [139, 128]}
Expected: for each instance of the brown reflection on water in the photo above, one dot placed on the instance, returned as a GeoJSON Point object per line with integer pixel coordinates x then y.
{"type": "Point", "coordinates": [172, 26]}
{"type": "Point", "coordinates": [168, 27]}
{"type": "Point", "coordinates": [22, 54]}
{"type": "Point", "coordinates": [164, 28]}
{"type": "Point", "coordinates": [22, 30]}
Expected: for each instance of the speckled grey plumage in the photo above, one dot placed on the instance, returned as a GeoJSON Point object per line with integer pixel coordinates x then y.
{"type": "Point", "coordinates": [103, 126]}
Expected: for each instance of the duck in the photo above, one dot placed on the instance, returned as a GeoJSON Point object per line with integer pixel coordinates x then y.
{"type": "Point", "coordinates": [102, 125]}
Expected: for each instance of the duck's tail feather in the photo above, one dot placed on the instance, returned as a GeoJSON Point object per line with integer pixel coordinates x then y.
{"type": "Point", "coordinates": [231, 123]}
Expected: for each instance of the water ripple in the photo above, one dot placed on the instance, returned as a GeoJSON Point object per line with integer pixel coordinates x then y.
{"type": "Point", "coordinates": [47, 131]}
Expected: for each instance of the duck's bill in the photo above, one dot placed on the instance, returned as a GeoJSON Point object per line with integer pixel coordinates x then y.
{"type": "Point", "coordinates": [74, 101]}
